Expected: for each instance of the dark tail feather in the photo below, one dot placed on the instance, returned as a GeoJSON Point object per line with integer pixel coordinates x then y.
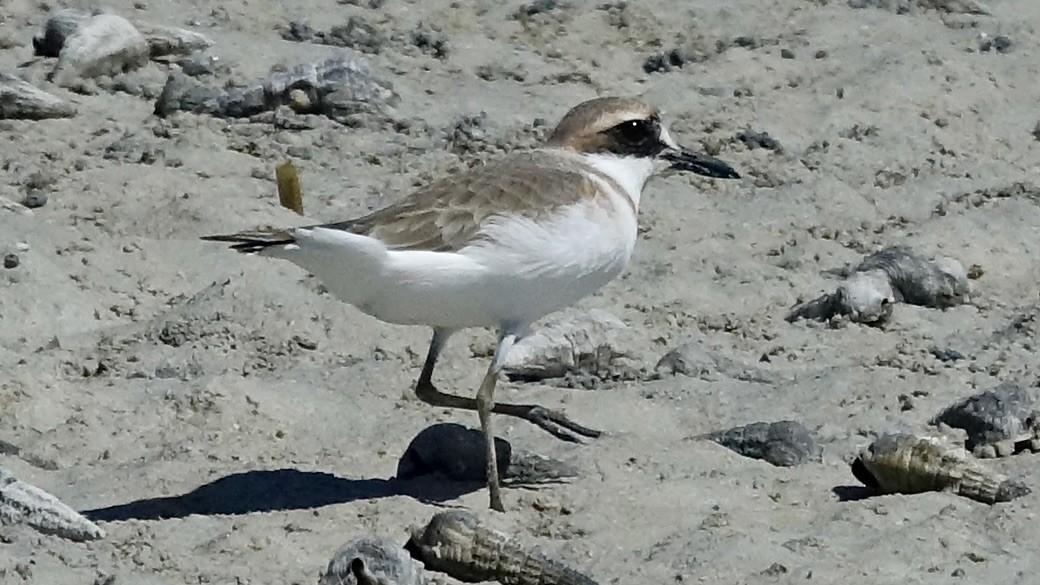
{"type": "Point", "coordinates": [253, 242]}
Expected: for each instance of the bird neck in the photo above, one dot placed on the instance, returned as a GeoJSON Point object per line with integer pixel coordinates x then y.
{"type": "Point", "coordinates": [628, 172]}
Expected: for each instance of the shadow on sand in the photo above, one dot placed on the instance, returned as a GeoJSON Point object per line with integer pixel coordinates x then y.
{"type": "Point", "coordinates": [280, 489]}
{"type": "Point", "coordinates": [853, 493]}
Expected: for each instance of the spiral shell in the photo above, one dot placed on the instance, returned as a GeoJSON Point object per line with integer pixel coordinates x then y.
{"type": "Point", "coordinates": [909, 464]}
{"type": "Point", "coordinates": [456, 543]}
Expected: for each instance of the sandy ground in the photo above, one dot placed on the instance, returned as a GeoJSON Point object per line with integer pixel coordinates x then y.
{"type": "Point", "coordinates": [139, 363]}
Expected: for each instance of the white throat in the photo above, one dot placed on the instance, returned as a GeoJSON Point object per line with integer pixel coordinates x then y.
{"type": "Point", "coordinates": [630, 172]}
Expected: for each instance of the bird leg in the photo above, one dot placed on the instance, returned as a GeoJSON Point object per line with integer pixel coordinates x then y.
{"type": "Point", "coordinates": [551, 421]}
{"type": "Point", "coordinates": [485, 404]}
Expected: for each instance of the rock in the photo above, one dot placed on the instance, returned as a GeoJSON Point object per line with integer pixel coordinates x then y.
{"type": "Point", "coordinates": [372, 560]}
{"type": "Point", "coordinates": [753, 140]}
{"type": "Point", "coordinates": [340, 88]}
{"type": "Point", "coordinates": [21, 101]}
{"type": "Point", "coordinates": [457, 453]}
{"type": "Point", "coordinates": [429, 42]}
{"type": "Point", "coordinates": [691, 359]}
{"type": "Point", "coordinates": [909, 464]}
{"type": "Point", "coordinates": [1000, 44]}
{"type": "Point", "coordinates": [998, 422]}
{"type": "Point", "coordinates": [665, 61]}
{"type": "Point", "coordinates": [58, 28]}
{"type": "Point", "coordinates": [202, 63]}
{"type": "Point", "coordinates": [182, 93]}
{"type": "Point", "coordinates": [571, 342]}
{"type": "Point", "coordinates": [103, 45]}
{"type": "Point", "coordinates": [21, 503]}
{"type": "Point", "coordinates": [355, 34]}
{"type": "Point", "coordinates": [11, 261]}
{"type": "Point", "coordinates": [34, 199]}
{"type": "Point", "coordinates": [15, 207]}
{"type": "Point", "coordinates": [908, 6]}
{"type": "Point", "coordinates": [535, 8]}
{"type": "Point", "coordinates": [165, 41]}
{"type": "Point", "coordinates": [784, 444]}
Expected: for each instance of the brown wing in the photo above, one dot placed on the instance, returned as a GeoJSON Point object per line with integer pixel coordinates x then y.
{"type": "Point", "coordinates": [448, 214]}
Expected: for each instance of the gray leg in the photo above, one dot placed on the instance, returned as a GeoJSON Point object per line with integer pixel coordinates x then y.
{"type": "Point", "coordinates": [555, 423]}
{"type": "Point", "coordinates": [485, 404]}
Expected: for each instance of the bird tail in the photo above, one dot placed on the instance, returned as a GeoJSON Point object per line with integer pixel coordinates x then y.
{"type": "Point", "coordinates": [253, 242]}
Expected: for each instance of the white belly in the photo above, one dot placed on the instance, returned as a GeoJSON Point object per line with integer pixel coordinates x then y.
{"type": "Point", "coordinates": [520, 271]}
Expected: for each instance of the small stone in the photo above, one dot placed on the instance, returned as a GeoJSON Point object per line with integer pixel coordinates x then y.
{"type": "Point", "coordinates": [536, 7]}
{"type": "Point", "coordinates": [753, 140]}
{"type": "Point", "coordinates": [34, 199]}
{"type": "Point", "coordinates": [429, 42]}
{"type": "Point", "coordinates": [665, 62]}
{"type": "Point", "coordinates": [299, 100]}
{"type": "Point", "coordinates": [166, 41]}
{"type": "Point", "coordinates": [458, 453]}
{"type": "Point", "coordinates": [786, 54]}
{"type": "Point", "coordinates": [946, 355]}
{"type": "Point", "coordinates": [11, 261]}
{"type": "Point", "coordinates": [1000, 44]}
{"type": "Point", "coordinates": [1005, 414]}
{"type": "Point", "coordinates": [200, 63]}
{"type": "Point", "coordinates": [784, 443]}
{"type": "Point", "coordinates": [821, 54]}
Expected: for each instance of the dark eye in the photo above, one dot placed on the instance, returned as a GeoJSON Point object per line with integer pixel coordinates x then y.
{"type": "Point", "coordinates": [634, 132]}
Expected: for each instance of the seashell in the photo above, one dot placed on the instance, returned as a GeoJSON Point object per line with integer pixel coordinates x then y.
{"type": "Point", "coordinates": [22, 503]}
{"type": "Point", "coordinates": [892, 275]}
{"type": "Point", "coordinates": [371, 560]}
{"type": "Point", "coordinates": [456, 543]}
{"type": "Point", "coordinates": [909, 464]}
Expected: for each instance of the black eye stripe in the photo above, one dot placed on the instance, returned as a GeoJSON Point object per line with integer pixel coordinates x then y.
{"type": "Point", "coordinates": [634, 130]}
{"type": "Point", "coordinates": [635, 138]}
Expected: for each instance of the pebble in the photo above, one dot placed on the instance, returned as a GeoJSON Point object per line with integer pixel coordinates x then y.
{"type": "Point", "coordinates": [458, 453]}
{"type": "Point", "coordinates": [998, 417]}
{"type": "Point", "coordinates": [1000, 44]}
{"type": "Point", "coordinates": [753, 140]}
{"type": "Point", "coordinates": [355, 34]}
{"type": "Point", "coordinates": [167, 41]}
{"type": "Point", "coordinates": [201, 63]}
{"type": "Point", "coordinates": [666, 61]}
{"type": "Point", "coordinates": [785, 443]}
{"type": "Point", "coordinates": [342, 88]}
{"type": "Point", "coordinates": [34, 199]}
{"type": "Point", "coordinates": [429, 42]}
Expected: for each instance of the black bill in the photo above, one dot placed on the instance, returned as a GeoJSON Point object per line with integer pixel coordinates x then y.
{"type": "Point", "coordinates": [702, 164]}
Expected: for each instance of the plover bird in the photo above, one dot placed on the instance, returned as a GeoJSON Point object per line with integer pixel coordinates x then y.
{"type": "Point", "coordinates": [500, 245]}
